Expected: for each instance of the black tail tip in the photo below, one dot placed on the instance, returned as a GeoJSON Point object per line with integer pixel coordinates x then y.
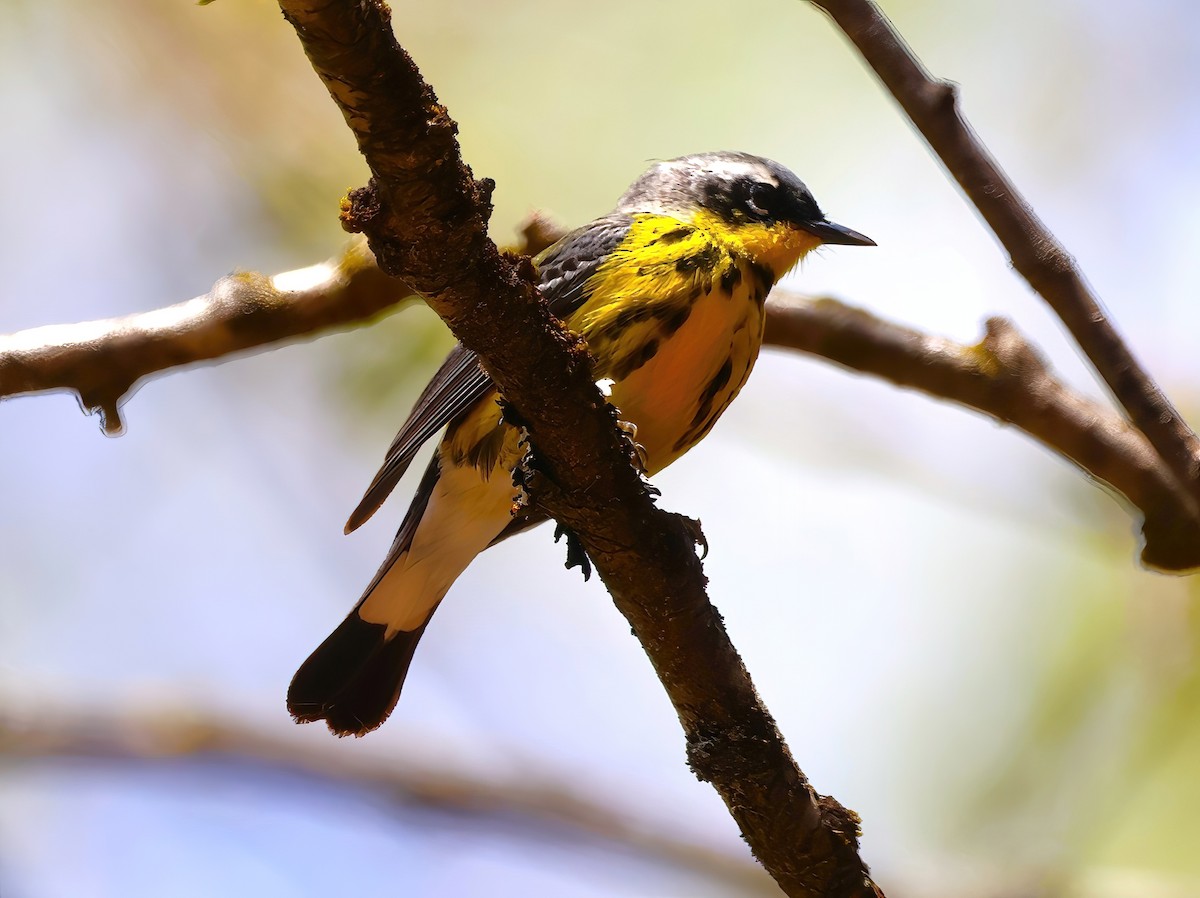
{"type": "Point", "coordinates": [353, 680]}
{"type": "Point", "coordinates": [340, 723]}
{"type": "Point", "coordinates": [303, 711]}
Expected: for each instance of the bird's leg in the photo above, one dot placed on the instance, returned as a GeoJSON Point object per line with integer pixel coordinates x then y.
{"type": "Point", "coordinates": [529, 470]}
{"type": "Point", "coordinates": [637, 452]}
{"type": "Point", "coordinates": [526, 470]}
{"type": "Point", "coordinates": [526, 476]}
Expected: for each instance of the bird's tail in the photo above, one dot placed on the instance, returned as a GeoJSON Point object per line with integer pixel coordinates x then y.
{"type": "Point", "coordinates": [353, 680]}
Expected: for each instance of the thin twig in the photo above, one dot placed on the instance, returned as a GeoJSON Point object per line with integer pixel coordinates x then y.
{"type": "Point", "coordinates": [933, 106]}
{"type": "Point", "coordinates": [425, 218]}
{"type": "Point", "coordinates": [554, 809]}
{"type": "Point", "coordinates": [1002, 376]}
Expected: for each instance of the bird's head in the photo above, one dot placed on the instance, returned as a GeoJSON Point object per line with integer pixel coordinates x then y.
{"type": "Point", "coordinates": [756, 204]}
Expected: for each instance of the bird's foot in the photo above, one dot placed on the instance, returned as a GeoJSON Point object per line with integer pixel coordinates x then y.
{"type": "Point", "coordinates": [522, 476]}
{"type": "Point", "coordinates": [527, 470]}
{"type": "Point", "coordinates": [637, 452]}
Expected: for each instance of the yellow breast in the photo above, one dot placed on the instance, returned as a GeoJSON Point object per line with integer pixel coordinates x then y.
{"type": "Point", "coordinates": [676, 396]}
{"type": "Point", "coordinates": [675, 321]}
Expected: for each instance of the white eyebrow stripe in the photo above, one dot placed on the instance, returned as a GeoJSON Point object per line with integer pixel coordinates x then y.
{"type": "Point", "coordinates": [728, 168]}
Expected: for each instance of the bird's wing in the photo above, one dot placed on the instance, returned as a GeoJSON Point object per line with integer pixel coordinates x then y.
{"type": "Point", "coordinates": [458, 384]}
{"type": "Point", "coordinates": [564, 270]}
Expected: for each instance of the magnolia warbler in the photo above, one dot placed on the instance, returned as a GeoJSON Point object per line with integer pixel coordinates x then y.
{"type": "Point", "coordinates": [668, 291]}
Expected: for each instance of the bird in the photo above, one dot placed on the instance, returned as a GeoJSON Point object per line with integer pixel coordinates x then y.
{"type": "Point", "coordinates": [668, 291]}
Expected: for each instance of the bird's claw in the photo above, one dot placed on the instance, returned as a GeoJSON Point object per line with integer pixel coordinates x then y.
{"type": "Point", "coordinates": [637, 452]}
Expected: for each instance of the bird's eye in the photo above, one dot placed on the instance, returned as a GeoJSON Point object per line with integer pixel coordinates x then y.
{"type": "Point", "coordinates": [762, 200]}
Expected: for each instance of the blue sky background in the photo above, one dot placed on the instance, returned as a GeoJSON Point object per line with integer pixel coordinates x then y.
{"type": "Point", "coordinates": [947, 621]}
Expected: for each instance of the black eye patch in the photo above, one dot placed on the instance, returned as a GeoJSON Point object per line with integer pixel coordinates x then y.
{"type": "Point", "coordinates": [749, 198]}
{"type": "Point", "coordinates": [763, 200]}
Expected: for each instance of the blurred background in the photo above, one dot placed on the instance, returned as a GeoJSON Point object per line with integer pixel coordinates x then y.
{"type": "Point", "coordinates": [947, 621]}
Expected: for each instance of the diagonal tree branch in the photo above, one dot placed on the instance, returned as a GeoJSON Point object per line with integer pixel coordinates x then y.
{"type": "Point", "coordinates": [546, 807]}
{"type": "Point", "coordinates": [932, 105]}
{"type": "Point", "coordinates": [1003, 376]}
{"type": "Point", "coordinates": [425, 219]}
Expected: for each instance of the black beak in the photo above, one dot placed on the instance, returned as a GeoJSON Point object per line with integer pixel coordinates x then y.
{"type": "Point", "coordinates": [835, 233]}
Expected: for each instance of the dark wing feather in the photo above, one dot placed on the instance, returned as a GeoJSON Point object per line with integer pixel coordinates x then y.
{"type": "Point", "coordinates": [564, 270]}
{"type": "Point", "coordinates": [458, 384]}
